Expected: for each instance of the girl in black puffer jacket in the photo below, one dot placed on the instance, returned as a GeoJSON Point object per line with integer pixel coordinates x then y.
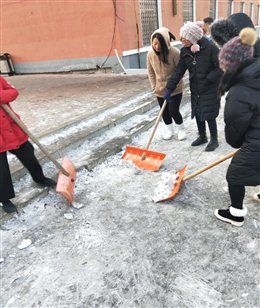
{"type": "Point", "coordinates": [225, 29]}
{"type": "Point", "coordinates": [242, 119]}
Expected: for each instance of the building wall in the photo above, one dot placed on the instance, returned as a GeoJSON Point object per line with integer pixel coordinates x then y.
{"type": "Point", "coordinates": [202, 9]}
{"type": "Point", "coordinates": [38, 31]}
{"type": "Point", "coordinates": [42, 34]}
{"type": "Point", "coordinates": [256, 3]}
{"type": "Point", "coordinates": [46, 36]}
{"type": "Point", "coordinates": [174, 23]}
{"type": "Point", "coordinates": [222, 9]}
{"type": "Point", "coordinates": [128, 25]}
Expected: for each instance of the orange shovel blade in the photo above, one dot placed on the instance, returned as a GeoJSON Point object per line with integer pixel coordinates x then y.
{"type": "Point", "coordinates": [176, 185]}
{"type": "Point", "coordinates": [144, 159]}
{"type": "Point", "coordinates": [65, 184]}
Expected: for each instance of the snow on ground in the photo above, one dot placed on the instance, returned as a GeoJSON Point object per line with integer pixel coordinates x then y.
{"type": "Point", "coordinates": [121, 249]}
{"type": "Point", "coordinates": [88, 122]}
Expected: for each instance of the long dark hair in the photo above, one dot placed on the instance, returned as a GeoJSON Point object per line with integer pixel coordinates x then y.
{"type": "Point", "coordinates": [163, 54]}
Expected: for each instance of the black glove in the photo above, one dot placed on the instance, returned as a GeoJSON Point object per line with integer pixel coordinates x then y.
{"type": "Point", "coordinates": [167, 94]}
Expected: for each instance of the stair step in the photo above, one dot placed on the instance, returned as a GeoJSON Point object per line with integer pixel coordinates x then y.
{"type": "Point", "coordinates": [98, 138]}
{"type": "Point", "coordinates": [58, 143]}
{"type": "Point", "coordinates": [27, 190]}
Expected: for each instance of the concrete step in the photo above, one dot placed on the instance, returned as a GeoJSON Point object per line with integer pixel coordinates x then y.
{"type": "Point", "coordinates": [85, 129]}
{"type": "Point", "coordinates": [95, 149]}
{"type": "Point", "coordinates": [97, 137]}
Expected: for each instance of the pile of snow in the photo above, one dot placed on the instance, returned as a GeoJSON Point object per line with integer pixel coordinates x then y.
{"type": "Point", "coordinates": [165, 186]}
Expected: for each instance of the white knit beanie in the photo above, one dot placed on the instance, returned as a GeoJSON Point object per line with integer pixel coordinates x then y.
{"type": "Point", "coordinates": [192, 32]}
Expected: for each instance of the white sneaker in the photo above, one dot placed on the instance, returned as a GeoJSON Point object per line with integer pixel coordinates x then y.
{"type": "Point", "coordinates": [181, 132]}
{"type": "Point", "coordinates": [256, 197]}
{"type": "Point", "coordinates": [168, 132]}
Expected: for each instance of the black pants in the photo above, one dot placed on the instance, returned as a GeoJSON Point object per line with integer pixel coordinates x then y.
{"type": "Point", "coordinates": [25, 154]}
{"type": "Point", "coordinates": [172, 109]}
{"type": "Point", "coordinates": [212, 127]}
{"type": "Point", "coordinates": [237, 194]}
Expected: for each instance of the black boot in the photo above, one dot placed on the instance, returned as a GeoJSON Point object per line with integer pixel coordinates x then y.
{"type": "Point", "coordinates": [9, 207]}
{"type": "Point", "coordinates": [212, 145]}
{"type": "Point", "coordinates": [232, 215]}
{"type": "Point", "coordinates": [47, 182]}
{"type": "Point", "coordinates": [200, 140]}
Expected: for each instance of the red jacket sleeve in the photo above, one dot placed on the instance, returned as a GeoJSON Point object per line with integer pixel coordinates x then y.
{"type": "Point", "coordinates": [7, 92]}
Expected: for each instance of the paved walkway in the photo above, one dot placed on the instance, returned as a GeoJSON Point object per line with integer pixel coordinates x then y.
{"type": "Point", "coordinates": [48, 102]}
{"type": "Point", "coordinates": [121, 249]}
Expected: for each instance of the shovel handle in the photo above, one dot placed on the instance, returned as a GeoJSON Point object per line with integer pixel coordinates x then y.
{"type": "Point", "coordinates": [192, 175]}
{"type": "Point", "coordinates": [33, 138]}
{"type": "Point", "coordinates": [156, 125]}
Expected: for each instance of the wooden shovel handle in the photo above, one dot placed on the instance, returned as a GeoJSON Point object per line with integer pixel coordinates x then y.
{"type": "Point", "coordinates": [192, 175]}
{"type": "Point", "coordinates": [33, 138]}
{"type": "Point", "coordinates": [156, 125]}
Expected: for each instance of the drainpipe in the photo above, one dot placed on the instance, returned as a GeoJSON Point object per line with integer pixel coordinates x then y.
{"type": "Point", "coordinates": [159, 10]}
{"type": "Point", "coordinates": [138, 46]}
{"type": "Point", "coordinates": [194, 10]}
{"type": "Point", "coordinates": [138, 39]}
{"type": "Point", "coordinates": [216, 10]}
{"type": "Point", "coordinates": [232, 7]}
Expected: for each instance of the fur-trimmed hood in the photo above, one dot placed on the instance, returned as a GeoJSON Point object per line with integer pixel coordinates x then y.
{"type": "Point", "coordinates": [158, 71]}
{"type": "Point", "coordinates": [225, 29]}
{"type": "Point", "coordinates": [222, 31]}
{"type": "Point", "coordinates": [165, 33]}
{"type": "Point", "coordinates": [241, 21]}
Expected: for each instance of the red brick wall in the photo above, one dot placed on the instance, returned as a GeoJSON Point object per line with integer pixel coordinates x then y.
{"type": "Point", "coordinates": [51, 30]}
{"type": "Point", "coordinates": [35, 31]}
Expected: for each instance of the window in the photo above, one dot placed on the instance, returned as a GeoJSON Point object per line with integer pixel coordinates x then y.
{"type": "Point", "coordinates": [242, 7]}
{"type": "Point", "coordinates": [149, 19]}
{"type": "Point", "coordinates": [187, 10]}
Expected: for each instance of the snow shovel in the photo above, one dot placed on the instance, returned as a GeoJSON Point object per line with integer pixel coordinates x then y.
{"type": "Point", "coordinates": [67, 174]}
{"type": "Point", "coordinates": [180, 179]}
{"type": "Point", "coordinates": [143, 158]}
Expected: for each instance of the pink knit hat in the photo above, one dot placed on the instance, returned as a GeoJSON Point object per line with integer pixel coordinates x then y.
{"type": "Point", "coordinates": [192, 32]}
{"type": "Point", "coordinates": [200, 23]}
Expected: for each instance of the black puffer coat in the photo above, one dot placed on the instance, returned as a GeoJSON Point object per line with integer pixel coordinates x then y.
{"type": "Point", "coordinates": [224, 30]}
{"type": "Point", "coordinates": [204, 75]}
{"type": "Point", "coordinates": [242, 119]}
{"type": "Point", "coordinates": [241, 21]}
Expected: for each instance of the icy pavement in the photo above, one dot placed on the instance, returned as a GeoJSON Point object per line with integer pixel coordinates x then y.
{"type": "Point", "coordinates": [121, 249]}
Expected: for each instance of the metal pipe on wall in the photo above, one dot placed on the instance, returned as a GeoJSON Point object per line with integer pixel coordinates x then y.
{"type": "Point", "coordinates": [159, 13]}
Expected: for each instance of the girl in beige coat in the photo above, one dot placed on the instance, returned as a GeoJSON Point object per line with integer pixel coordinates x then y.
{"type": "Point", "coordinates": [161, 64]}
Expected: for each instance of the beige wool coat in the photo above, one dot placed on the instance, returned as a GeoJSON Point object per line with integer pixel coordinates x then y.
{"type": "Point", "coordinates": [159, 72]}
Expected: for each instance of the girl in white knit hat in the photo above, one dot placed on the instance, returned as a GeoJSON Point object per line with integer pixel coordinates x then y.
{"type": "Point", "coordinates": [162, 61]}
{"type": "Point", "coordinates": [199, 56]}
